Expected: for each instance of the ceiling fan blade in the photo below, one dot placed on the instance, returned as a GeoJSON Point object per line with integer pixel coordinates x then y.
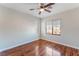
{"type": "Point", "coordinates": [39, 12]}
{"type": "Point", "coordinates": [31, 9]}
{"type": "Point", "coordinates": [49, 5]}
{"type": "Point", "coordinates": [47, 10]}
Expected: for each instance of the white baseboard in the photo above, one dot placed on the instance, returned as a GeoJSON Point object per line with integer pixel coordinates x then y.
{"type": "Point", "coordinates": [62, 44]}
{"type": "Point", "coordinates": [1, 50]}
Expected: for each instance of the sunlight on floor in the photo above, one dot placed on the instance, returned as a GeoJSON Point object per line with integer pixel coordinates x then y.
{"type": "Point", "coordinates": [50, 52]}
{"type": "Point", "coordinates": [37, 50]}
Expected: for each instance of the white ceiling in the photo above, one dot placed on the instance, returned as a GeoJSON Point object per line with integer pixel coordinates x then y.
{"type": "Point", "coordinates": [24, 7]}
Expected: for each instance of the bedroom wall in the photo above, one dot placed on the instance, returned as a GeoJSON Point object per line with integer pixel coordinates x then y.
{"type": "Point", "coordinates": [69, 28]}
{"type": "Point", "coordinates": [16, 28]}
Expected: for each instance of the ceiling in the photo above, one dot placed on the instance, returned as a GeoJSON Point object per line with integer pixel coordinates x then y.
{"type": "Point", "coordinates": [24, 7]}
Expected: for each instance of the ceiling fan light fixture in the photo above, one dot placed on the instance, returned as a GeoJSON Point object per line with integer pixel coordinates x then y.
{"type": "Point", "coordinates": [41, 9]}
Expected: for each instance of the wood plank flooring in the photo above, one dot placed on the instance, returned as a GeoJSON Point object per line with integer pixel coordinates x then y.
{"type": "Point", "coordinates": [41, 48]}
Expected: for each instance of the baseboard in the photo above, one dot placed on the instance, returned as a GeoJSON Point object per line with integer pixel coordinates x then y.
{"type": "Point", "coordinates": [61, 43]}
{"type": "Point", "coordinates": [1, 50]}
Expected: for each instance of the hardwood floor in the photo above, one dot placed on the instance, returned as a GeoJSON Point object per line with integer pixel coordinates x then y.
{"type": "Point", "coordinates": [41, 48]}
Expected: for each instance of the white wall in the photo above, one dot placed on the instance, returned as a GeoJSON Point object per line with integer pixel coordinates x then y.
{"type": "Point", "coordinates": [16, 28]}
{"type": "Point", "coordinates": [69, 28]}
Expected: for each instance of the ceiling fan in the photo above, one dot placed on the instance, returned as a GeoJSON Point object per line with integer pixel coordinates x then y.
{"type": "Point", "coordinates": [43, 7]}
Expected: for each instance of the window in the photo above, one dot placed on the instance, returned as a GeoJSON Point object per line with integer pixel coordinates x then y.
{"type": "Point", "coordinates": [53, 27]}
